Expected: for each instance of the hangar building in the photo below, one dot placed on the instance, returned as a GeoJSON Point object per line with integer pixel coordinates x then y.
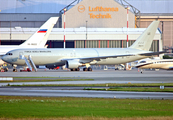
{"type": "Point", "coordinates": [88, 23]}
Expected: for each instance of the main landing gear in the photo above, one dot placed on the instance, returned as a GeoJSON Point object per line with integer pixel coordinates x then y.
{"type": "Point", "coordinates": [75, 69]}
{"type": "Point", "coordinates": [84, 69]}
{"type": "Point", "coordinates": [87, 69]}
{"type": "Point", "coordinates": [14, 68]}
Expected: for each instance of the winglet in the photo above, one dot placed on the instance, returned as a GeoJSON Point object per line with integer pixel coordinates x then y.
{"type": "Point", "coordinates": [145, 40]}
{"type": "Point", "coordinates": [39, 38]}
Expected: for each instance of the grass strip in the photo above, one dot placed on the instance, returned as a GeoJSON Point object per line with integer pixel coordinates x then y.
{"type": "Point", "coordinates": [136, 89]}
{"type": "Point", "coordinates": [46, 80]}
{"type": "Point", "coordinates": [94, 118]}
{"type": "Point", "coordinates": [109, 85]}
{"type": "Point", "coordinates": [13, 107]}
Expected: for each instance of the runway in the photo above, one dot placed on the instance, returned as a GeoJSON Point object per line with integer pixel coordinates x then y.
{"type": "Point", "coordinates": [79, 82]}
{"type": "Point", "coordinates": [98, 76]}
{"type": "Point", "coordinates": [110, 73]}
{"type": "Point", "coordinates": [55, 92]}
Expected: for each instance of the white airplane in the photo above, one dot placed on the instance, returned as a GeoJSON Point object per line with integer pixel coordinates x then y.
{"type": "Point", "coordinates": [74, 58]}
{"type": "Point", "coordinates": [37, 40]}
{"type": "Point", "coordinates": [166, 64]}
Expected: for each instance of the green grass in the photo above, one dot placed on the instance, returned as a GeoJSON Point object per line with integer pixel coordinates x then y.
{"type": "Point", "coordinates": [42, 107]}
{"type": "Point", "coordinates": [110, 85]}
{"type": "Point", "coordinates": [44, 79]}
{"type": "Point", "coordinates": [136, 89]}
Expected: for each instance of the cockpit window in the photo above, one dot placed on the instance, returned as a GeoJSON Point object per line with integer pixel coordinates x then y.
{"type": "Point", "coordinates": [9, 54]}
{"type": "Point", "coordinates": [142, 62]}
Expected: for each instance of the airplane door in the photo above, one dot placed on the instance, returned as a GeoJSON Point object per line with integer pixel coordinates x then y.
{"type": "Point", "coordinates": [21, 56]}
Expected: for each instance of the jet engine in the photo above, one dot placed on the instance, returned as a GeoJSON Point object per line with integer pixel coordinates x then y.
{"type": "Point", "coordinates": [73, 64]}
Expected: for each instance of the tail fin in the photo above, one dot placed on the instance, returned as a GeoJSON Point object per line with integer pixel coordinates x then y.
{"type": "Point", "coordinates": [145, 40]}
{"type": "Point", "coordinates": [39, 38]}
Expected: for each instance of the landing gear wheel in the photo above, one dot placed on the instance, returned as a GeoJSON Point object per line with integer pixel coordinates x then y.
{"type": "Point", "coordinates": [77, 69]}
{"type": "Point", "coordinates": [84, 69]}
{"type": "Point", "coordinates": [14, 70]}
{"type": "Point", "coordinates": [89, 69]}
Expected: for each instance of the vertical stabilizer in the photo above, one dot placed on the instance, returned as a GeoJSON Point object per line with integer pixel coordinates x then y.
{"type": "Point", "coordinates": [145, 40]}
{"type": "Point", "coordinates": [39, 38]}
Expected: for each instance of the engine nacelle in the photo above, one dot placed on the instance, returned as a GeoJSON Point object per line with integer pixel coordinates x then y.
{"type": "Point", "coordinates": [73, 64]}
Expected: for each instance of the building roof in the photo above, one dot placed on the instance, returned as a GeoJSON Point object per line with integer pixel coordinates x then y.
{"type": "Point", "coordinates": [54, 6]}
{"type": "Point", "coordinates": [156, 14]}
{"type": "Point", "coordinates": [152, 6]}
{"type": "Point", "coordinates": [33, 6]}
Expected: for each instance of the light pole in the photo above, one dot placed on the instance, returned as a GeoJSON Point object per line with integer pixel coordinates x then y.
{"type": "Point", "coordinates": [86, 30]}
{"type": "Point", "coordinates": [127, 64]}
{"type": "Point", "coordinates": [127, 25]}
{"type": "Point", "coordinates": [10, 31]}
{"type": "Point", "coordinates": [64, 25]}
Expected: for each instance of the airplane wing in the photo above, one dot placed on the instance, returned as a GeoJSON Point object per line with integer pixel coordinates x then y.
{"type": "Point", "coordinates": [153, 53]}
{"type": "Point", "coordinates": [89, 59]}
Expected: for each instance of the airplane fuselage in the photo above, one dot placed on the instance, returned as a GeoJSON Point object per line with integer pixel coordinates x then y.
{"type": "Point", "coordinates": [5, 48]}
{"type": "Point", "coordinates": [166, 64]}
{"type": "Point", "coordinates": [55, 56]}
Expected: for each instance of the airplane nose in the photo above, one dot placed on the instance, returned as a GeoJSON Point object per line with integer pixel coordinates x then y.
{"type": "Point", "coordinates": [5, 58]}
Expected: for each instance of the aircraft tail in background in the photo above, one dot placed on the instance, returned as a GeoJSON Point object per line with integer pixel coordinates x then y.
{"type": "Point", "coordinates": [145, 40]}
{"type": "Point", "coordinates": [39, 38]}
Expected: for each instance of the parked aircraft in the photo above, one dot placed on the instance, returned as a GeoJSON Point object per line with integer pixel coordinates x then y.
{"type": "Point", "coordinates": [74, 58]}
{"type": "Point", "coordinates": [166, 64]}
{"type": "Point", "coordinates": [37, 40]}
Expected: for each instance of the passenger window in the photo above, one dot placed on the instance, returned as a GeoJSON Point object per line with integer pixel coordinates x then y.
{"type": "Point", "coordinates": [8, 54]}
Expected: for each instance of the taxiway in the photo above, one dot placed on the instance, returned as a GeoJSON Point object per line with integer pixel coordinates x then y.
{"type": "Point", "coordinates": [98, 76]}
{"type": "Point", "coordinates": [77, 92]}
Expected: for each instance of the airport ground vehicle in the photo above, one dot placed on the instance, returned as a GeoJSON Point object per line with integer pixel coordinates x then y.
{"type": "Point", "coordinates": [25, 70]}
{"type": "Point", "coordinates": [3, 69]}
{"type": "Point", "coordinates": [120, 67]}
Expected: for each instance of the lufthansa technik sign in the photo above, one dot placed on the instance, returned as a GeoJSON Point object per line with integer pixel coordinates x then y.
{"type": "Point", "coordinates": [101, 15]}
{"type": "Point", "coordinates": [102, 9]}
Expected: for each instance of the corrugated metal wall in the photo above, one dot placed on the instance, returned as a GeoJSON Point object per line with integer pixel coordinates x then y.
{"type": "Point", "coordinates": [25, 20]}
{"type": "Point", "coordinates": [111, 44]}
